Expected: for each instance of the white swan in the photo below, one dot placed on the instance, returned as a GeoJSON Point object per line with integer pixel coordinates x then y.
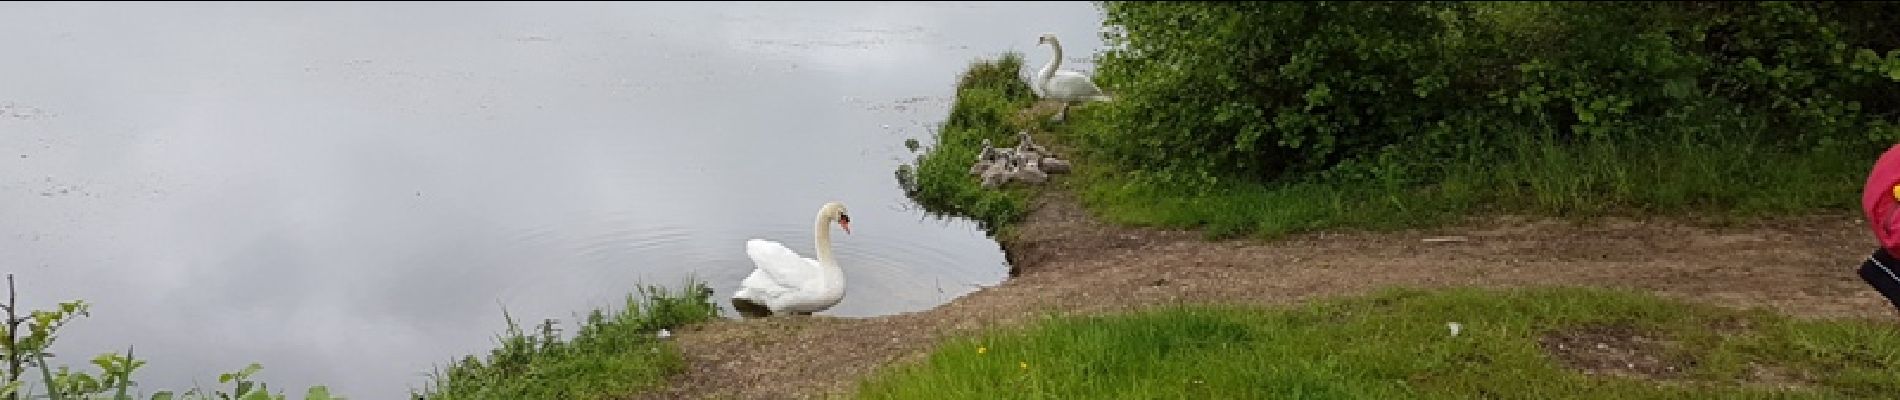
{"type": "Point", "coordinates": [785, 282]}
{"type": "Point", "coordinates": [1064, 85]}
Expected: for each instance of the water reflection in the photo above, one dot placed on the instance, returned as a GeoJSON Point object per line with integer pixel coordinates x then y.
{"type": "Point", "coordinates": [351, 193]}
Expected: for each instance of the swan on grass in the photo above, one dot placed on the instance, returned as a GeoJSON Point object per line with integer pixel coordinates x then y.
{"type": "Point", "coordinates": [784, 282]}
{"type": "Point", "coordinates": [1062, 85]}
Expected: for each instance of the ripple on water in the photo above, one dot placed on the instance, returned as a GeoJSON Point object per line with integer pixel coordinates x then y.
{"type": "Point", "coordinates": [603, 258]}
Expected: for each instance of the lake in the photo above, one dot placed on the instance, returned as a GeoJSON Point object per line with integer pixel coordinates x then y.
{"type": "Point", "coordinates": [351, 193]}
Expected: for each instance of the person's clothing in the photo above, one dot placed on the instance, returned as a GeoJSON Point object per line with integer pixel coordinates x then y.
{"type": "Point", "coordinates": [1882, 271]}
{"type": "Point", "coordinates": [1880, 201]}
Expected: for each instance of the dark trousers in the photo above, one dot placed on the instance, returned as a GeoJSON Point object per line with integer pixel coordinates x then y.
{"type": "Point", "coordinates": [1882, 272]}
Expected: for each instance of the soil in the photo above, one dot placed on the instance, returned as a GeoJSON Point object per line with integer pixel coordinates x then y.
{"type": "Point", "coordinates": [1070, 262]}
{"type": "Point", "coordinates": [1613, 350]}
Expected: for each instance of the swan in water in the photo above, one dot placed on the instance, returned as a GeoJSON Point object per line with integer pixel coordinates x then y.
{"type": "Point", "coordinates": [787, 283]}
{"type": "Point", "coordinates": [1064, 85]}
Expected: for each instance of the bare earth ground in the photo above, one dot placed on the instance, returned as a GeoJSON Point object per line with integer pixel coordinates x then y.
{"type": "Point", "coordinates": [1070, 262]}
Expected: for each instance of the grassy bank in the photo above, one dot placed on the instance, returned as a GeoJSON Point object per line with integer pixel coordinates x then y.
{"type": "Point", "coordinates": [1397, 345]}
{"type": "Point", "coordinates": [614, 353]}
{"type": "Point", "coordinates": [990, 97]}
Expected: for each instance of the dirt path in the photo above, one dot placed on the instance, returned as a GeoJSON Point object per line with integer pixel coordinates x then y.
{"type": "Point", "coordinates": [1069, 261]}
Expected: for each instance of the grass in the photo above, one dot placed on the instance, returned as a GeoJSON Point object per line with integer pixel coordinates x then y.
{"type": "Point", "coordinates": [1397, 345]}
{"type": "Point", "coordinates": [613, 354]}
{"type": "Point", "coordinates": [989, 97]}
{"type": "Point", "coordinates": [1714, 180]}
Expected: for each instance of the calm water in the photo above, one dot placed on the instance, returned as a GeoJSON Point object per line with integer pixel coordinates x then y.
{"type": "Point", "coordinates": [351, 193]}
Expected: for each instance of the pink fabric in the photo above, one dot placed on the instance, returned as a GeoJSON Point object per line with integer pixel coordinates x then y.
{"type": "Point", "coordinates": [1877, 199]}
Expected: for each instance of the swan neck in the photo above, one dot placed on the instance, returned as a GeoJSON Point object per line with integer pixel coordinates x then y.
{"type": "Point", "coordinates": [821, 230]}
{"type": "Point", "coordinates": [1054, 62]}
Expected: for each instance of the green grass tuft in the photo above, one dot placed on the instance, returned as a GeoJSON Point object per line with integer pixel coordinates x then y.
{"type": "Point", "coordinates": [614, 353]}
{"type": "Point", "coordinates": [1396, 344]}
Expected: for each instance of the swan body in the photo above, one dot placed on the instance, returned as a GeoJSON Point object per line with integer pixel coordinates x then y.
{"type": "Point", "coordinates": [1064, 85]}
{"type": "Point", "coordinates": [784, 282]}
{"type": "Point", "coordinates": [1071, 86]}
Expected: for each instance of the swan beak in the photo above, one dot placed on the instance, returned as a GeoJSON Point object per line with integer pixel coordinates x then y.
{"type": "Point", "coordinates": [846, 226]}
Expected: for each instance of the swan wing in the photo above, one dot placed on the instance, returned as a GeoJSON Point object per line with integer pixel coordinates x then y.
{"type": "Point", "coordinates": [780, 266]}
{"type": "Point", "coordinates": [1072, 84]}
{"type": "Point", "coordinates": [1070, 74]}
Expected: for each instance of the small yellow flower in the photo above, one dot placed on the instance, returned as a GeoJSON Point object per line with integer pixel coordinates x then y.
{"type": "Point", "coordinates": [1023, 364]}
{"type": "Point", "coordinates": [981, 350]}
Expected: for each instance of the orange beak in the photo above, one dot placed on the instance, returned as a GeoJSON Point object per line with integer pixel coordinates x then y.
{"type": "Point", "coordinates": [846, 226]}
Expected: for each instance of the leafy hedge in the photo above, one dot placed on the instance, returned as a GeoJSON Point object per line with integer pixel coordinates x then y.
{"type": "Point", "coordinates": [1401, 91]}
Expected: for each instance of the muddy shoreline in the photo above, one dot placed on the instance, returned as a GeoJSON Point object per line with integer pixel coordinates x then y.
{"type": "Point", "coordinates": [1065, 261]}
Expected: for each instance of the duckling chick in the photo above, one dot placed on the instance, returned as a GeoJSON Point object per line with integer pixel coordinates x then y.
{"type": "Point", "coordinates": [980, 166]}
{"type": "Point", "coordinates": [1024, 142]}
{"type": "Point", "coordinates": [1030, 172]}
{"type": "Point", "coordinates": [1025, 157]}
{"type": "Point", "coordinates": [997, 174]}
{"type": "Point", "coordinates": [1055, 165]}
{"type": "Point", "coordinates": [1002, 154]}
{"type": "Point", "coordinates": [1030, 175]}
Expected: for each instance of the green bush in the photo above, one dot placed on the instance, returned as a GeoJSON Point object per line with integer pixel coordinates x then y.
{"type": "Point", "coordinates": [1403, 92]}
{"type": "Point", "coordinates": [1259, 89]}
